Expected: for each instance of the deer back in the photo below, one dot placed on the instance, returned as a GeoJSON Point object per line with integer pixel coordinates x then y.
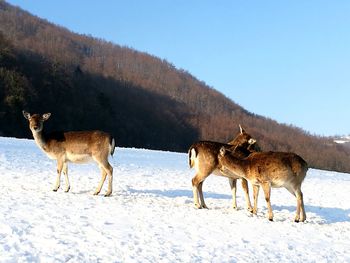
{"type": "Point", "coordinates": [276, 167]}
{"type": "Point", "coordinates": [77, 142]}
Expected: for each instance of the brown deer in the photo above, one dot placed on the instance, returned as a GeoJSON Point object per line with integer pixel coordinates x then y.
{"type": "Point", "coordinates": [203, 156]}
{"type": "Point", "coordinates": [75, 147]}
{"type": "Point", "coordinates": [269, 169]}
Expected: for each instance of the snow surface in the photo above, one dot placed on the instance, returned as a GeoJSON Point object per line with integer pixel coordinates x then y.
{"type": "Point", "coordinates": [151, 217]}
{"type": "Point", "coordinates": [342, 140]}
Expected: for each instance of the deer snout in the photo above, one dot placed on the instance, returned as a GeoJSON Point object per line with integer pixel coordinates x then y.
{"type": "Point", "coordinates": [251, 141]}
{"type": "Point", "coordinates": [222, 151]}
{"type": "Point", "coordinates": [36, 128]}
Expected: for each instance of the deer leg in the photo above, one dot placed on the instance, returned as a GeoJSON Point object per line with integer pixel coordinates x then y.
{"type": "Point", "coordinates": [65, 171]}
{"type": "Point", "coordinates": [109, 170]}
{"type": "Point", "coordinates": [246, 192]}
{"type": "Point", "coordinates": [104, 175]}
{"type": "Point", "coordinates": [58, 178]}
{"type": "Point", "coordinates": [267, 192]}
{"type": "Point", "coordinates": [255, 196]}
{"type": "Point", "coordinates": [195, 188]}
{"type": "Point", "coordinates": [300, 214]}
{"type": "Point", "coordinates": [106, 169]}
{"type": "Point", "coordinates": [200, 190]}
{"type": "Point", "coordinates": [233, 184]}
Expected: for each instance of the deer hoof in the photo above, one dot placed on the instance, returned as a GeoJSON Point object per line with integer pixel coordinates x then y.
{"type": "Point", "coordinates": [108, 194]}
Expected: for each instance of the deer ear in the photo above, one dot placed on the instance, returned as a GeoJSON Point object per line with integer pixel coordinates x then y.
{"type": "Point", "coordinates": [241, 129]}
{"type": "Point", "coordinates": [26, 115]}
{"type": "Point", "coordinates": [46, 116]}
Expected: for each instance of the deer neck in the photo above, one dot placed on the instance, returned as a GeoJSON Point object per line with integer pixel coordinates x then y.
{"type": "Point", "coordinates": [40, 139]}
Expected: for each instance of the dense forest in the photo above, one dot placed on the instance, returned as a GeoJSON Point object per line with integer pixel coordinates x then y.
{"type": "Point", "coordinates": [144, 101]}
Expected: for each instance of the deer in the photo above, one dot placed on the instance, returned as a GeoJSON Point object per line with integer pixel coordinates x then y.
{"type": "Point", "coordinates": [74, 146]}
{"type": "Point", "coordinates": [203, 156]}
{"type": "Point", "coordinates": [269, 169]}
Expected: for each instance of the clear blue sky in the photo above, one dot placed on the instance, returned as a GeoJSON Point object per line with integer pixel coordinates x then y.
{"type": "Point", "coordinates": [286, 60]}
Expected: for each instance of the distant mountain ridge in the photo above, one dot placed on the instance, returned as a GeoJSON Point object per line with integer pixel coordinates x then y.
{"type": "Point", "coordinates": [89, 83]}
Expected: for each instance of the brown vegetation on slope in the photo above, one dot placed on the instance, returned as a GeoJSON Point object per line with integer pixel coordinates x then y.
{"type": "Point", "coordinates": [144, 101]}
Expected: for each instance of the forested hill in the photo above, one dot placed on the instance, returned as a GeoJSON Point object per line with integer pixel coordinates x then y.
{"type": "Point", "coordinates": [144, 101]}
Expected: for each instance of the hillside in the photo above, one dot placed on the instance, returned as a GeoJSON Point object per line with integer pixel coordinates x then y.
{"type": "Point", "coordinates": [89, 83]}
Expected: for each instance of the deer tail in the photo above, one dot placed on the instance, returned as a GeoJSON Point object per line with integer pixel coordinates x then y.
{"type": "Point", "coordinates": [192, 154]}
{"type": "Point", "coordinates": [111, 146]}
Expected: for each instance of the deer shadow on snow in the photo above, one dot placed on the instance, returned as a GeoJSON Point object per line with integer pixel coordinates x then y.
{"type": "Point", "coordinates": [328, 215]}
{"type": "Point", "coordinates": [177, 193]}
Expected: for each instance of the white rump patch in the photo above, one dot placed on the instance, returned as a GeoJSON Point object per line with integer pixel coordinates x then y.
{"type": "Point", "coordinates": [194, 159]}
{"type": "Point", "coordinates": [193, 153]}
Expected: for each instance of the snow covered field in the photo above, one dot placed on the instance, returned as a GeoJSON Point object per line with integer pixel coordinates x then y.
{"type": "Point", "coordinates": [151, 217]}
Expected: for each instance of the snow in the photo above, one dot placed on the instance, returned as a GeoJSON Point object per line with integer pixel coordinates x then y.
{"type": "Point", "coordinates": [342, 140]}
{"type": "Point", "coordinates": [151, 217]}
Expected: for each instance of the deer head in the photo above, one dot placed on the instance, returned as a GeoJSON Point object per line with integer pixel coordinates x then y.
{"type": "Point", "coordinates": [36, 121]}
